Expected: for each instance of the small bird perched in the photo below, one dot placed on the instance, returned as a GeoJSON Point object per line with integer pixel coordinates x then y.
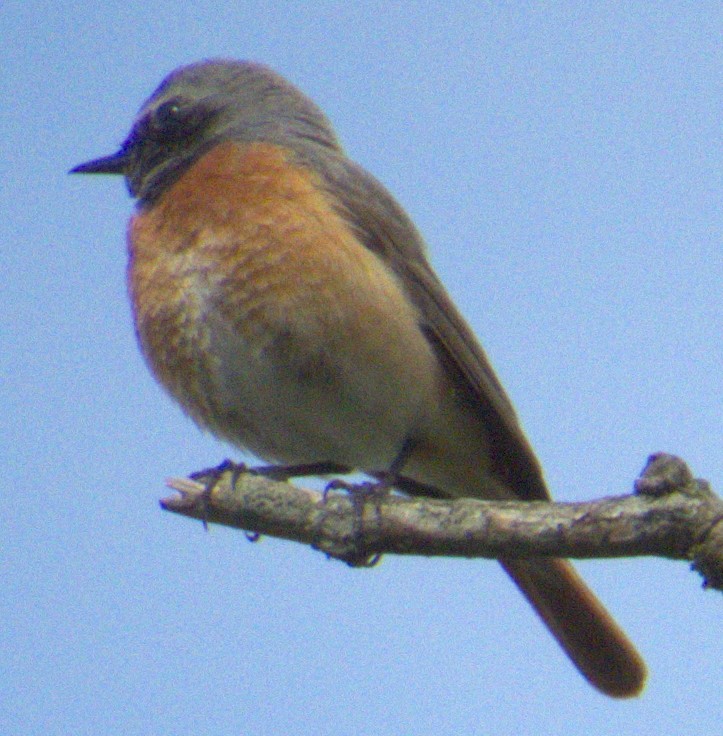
{"type": "Point", "coordinates": [284, 299]}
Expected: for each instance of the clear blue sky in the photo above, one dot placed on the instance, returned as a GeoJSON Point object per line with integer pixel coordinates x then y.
{"type": "Point", "coordinates": [564, 163]}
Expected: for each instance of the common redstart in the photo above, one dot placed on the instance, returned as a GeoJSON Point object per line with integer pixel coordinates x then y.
{"type": "Point", "coordinates": [284, 299]}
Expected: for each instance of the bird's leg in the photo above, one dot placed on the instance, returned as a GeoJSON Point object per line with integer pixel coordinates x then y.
{"type": "Point", "coordinates": [210, 477]}
{"type": "Point", "coordinates": [376, 491]}
{"type": "Point", "coordinates": [284, 472]}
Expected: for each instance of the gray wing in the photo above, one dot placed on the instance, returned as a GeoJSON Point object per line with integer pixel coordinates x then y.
{"type": "Point", "coordinates": [386, 229]}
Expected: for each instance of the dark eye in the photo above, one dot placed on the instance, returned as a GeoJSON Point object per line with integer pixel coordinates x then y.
{"type": "Point", "coordinates": [173, 120]}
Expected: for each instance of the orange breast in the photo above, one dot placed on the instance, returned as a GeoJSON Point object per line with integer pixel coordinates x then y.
{"type": "Point", "coordinates": [245, 261]}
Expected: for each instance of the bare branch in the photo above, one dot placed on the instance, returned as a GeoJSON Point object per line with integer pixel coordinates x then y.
{"type": "Point", "coordinates": [670, 515]}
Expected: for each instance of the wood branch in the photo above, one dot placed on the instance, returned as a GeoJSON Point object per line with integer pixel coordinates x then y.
{"type": "Point", "coordinates": [670, 514]}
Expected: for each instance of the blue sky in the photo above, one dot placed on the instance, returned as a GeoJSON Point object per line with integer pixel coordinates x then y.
{"type": "Point", "coordinates": [564, 163]}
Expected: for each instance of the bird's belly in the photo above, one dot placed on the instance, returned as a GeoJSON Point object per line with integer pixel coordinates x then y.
{"type": "Point", "coordinates": [294, 368]}
{"type": "Point", "coordinates": [296, 397]}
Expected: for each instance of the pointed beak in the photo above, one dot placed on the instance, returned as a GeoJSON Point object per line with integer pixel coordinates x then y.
{"type": "Point", "coordinates": [116, 163]}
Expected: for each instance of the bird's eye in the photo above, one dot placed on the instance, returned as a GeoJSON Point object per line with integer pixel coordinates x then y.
{"type": "Point", "coordinates": [173, 120]}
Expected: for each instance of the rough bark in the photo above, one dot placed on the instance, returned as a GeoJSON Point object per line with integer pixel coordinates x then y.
{"type": "Point", "coordinates": [670, 514]}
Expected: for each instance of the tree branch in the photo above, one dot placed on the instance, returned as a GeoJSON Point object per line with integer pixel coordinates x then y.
{"type": "Point", "coordinates": [670, 514]}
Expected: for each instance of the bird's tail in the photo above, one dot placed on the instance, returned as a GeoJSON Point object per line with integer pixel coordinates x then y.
{"type": "Point", "coordinates": [581, 624]}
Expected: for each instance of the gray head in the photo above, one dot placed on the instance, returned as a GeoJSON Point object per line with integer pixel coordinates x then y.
{"type": "Point", "coordinates": [202, 104]}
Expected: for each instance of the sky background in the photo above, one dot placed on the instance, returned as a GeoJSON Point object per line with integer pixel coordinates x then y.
{"type": "Point", "coordinates": [563, 161]}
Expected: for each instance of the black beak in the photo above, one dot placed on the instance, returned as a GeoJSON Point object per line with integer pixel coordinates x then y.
{"type": "Point", "coordinates": [116, 163]}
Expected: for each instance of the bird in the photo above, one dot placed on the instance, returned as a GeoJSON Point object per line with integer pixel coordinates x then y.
{"type": "Point", "coordinates": [285, 300]}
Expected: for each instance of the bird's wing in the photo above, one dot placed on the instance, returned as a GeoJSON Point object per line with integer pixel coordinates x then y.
{"type": "Point", "coordinates": [386, 229]}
